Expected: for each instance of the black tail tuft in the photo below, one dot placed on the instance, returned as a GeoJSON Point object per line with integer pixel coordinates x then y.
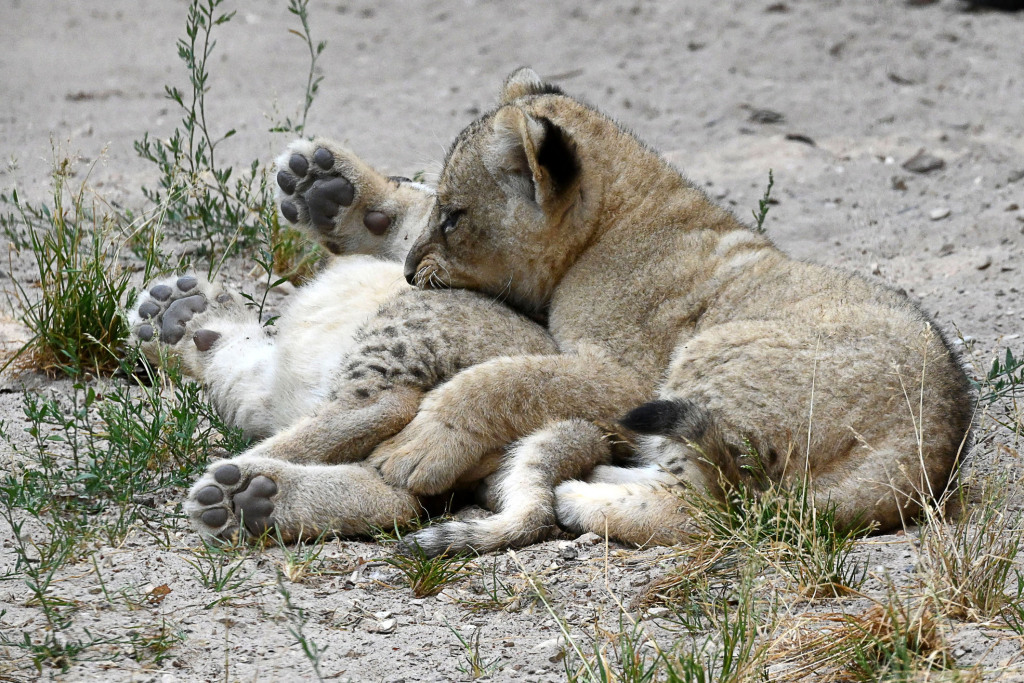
{"type": "Point", "coordinates": [656, 417]}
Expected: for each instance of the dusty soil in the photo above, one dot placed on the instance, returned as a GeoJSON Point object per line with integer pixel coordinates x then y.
{"type": "Point", "coordinates": [834, 97]}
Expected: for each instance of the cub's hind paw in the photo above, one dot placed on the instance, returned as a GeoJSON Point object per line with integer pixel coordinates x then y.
{"type": "Point", "coordinates": [263, 494]}
{"type": "Point", "coordinates": [335, 196]}
{"type": "Point", "coordinates": [229, 497]}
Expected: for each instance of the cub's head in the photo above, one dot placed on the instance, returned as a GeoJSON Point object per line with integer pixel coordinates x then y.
{"type": "Point", "coordinates": [504, 219]}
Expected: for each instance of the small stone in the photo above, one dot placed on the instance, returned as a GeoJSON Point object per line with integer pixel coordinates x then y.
{"type": "Point", "coordinates": [899, 184]}
{"type": "Point", "coordinates": [923, 162]}
{"type": "Point", "coordinates": [1013, 207]}
{"type": "Point", "coordinates": [875, 269]}
{"type": "Point", "coordinates": [589, 538]}
{"type": "Point", "coordinates": [947, 249]}
{"type": "Point", "coordinates": [939, 213]}
{"type": "Point", "coordinates": [985, 264]}
{"type": "Point", "coordinates": [655, 612]}
{"type": "Point", "coordinates": [385, 626]}
{"type": "Point", "coordinates": [766, 116]}
{"type": "Point", "coordinates": [1015, 175]}
{"type": "Point", "coordinates": [569, 553]}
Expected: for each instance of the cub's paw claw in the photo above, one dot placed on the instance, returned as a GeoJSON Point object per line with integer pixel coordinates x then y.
{"type": "Point", "coordinates": [226, 499]}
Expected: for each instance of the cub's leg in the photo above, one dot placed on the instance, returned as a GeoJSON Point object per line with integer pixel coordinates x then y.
{"type": "Point", "coordinates": [643, 505]}
{"type": "Point", "coordinates": [296, 500]}
{"type": "Point", "coordinates": [346, 204]}
{"type": "Point", "coordinates": [216, 340]}
{"type": "Point", "coordinates": [486, 407]}
{"type": "Point", "coordinates": [641, 510]}
{"type": "Point", "coordinates": [524, 494]}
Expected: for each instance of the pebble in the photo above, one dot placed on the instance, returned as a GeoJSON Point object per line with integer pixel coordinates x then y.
{"type": "Point", "coordinates": [657, 612]}
{"type": "Point", "coordinates": [939, 213]}
{"type": "Point", "coordinates": [385, 626]}
{"type": "Point", "coordinates": [985, 264]}
{"type": "Point", "coordinates": [589, 538]}
{"type": "Point", "coordinates": [765, 116]}
{"type": "Point", "coordinates": [923, 162]}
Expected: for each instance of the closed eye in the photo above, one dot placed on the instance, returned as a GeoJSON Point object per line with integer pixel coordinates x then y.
{"type": "Point", "coordinates": [451, 221]}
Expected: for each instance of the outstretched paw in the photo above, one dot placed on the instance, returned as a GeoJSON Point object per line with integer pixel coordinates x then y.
{"type": "Point", "coordinates": [232, 494]}
{"type": "Point", "coordinates": [342, 201]}
{"type": "Point", "coordinates": [262, 494]}
{"type": "Point", "coordinates": [178, 309]}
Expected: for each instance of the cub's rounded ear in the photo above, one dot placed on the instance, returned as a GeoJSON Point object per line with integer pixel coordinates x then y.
{"type": "Point", "coordinates": [531, 157]}
{"type": "Point", "coordinates": [524, 82]}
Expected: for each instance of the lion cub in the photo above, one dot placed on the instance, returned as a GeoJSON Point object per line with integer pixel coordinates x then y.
{"type": "Point", "coordinates": [658, 297]}
{"type": "Point", "coordinates": [351, 359]}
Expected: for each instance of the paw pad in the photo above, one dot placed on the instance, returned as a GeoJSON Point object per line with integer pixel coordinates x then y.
{"type": "Point", "coordinates": [317, 186]}
{"type": "Point", "coordinates": [323, 158]}
{"type": "Point", "coordinates": [167, 307]}
{"type": "Point", "coordinates": [205, 339]}
{"type": "Point", "coordinates": [228, 475]}
{"type": "Point", "coordinates": [225, 499]}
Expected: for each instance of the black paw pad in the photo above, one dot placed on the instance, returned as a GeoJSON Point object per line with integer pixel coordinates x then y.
{"type": "Point", "coordinates": [172, 328]}
{"type": "Point", "coordinates": [148, 310]}
{"type": "Point", "coordinates": [290, 211]}
{"type": "Point", "coordinates": [205, 339]}
{"type": "Point", "coordinates": [377, 222]}
{"type": "Point", "coordinates": [227, 475]}
{"type": "Point", "coordinates": [160, 293]}
{"type": "Point", "coordinates": [323, 158]}
{"type": "Point", "coordinates": [145, 332]}
{"type": "Point", "coordinates": [298, 164]}
{"type": "Point", "coordinates": [254, 506]}
{"type": "Point", "coordinates": [324, 199]}
{"type": "Point", "coordinates": [286, 181]}
{"type": "Point", "coordinates": [214, 518]}
{"type": "Point", "coordinates": [208, 495]}
{"type": "Point", "coordinates": [186, 283]}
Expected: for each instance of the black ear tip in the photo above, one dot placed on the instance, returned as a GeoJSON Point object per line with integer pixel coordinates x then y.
{"type": "Point", "coordinates": [656, 417]}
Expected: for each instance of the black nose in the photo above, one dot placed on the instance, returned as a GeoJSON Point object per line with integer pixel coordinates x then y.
{"type": "Point", "coordinates": [410, 269]}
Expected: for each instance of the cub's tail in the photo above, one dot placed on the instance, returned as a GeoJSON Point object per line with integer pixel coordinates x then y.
{"type": "Point", "coordinates": [691, 425]}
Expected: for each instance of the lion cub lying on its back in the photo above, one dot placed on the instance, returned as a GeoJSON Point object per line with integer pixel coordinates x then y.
{"type": "Point", "coordinates": [354, 356]}
{"type": "Point", "coordinates": [651, 292]}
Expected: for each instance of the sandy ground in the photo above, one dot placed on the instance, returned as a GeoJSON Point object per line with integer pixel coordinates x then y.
{"type": "Point", "coordinates": [834, 97]}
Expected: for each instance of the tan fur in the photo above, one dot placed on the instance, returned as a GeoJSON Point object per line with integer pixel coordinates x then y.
{"type": "Point", "coordinates": [653, 291]}
{"type": "Point", "coordinates": [354, 354]}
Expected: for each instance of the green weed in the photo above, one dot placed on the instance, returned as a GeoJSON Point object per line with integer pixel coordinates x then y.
{"type": "Point", "coordinates": [473, 663]}
{"type": "Point", "coordinates": [428, 575]}
{"type": "Point", "coordinates": [203, 202]}
{"type": "Point", "coordinates": [968, 563]}
{"type": "Point", "coordinates": [803, 540]}
{"type": "Point", "coordinates": [297, 623]}
{"type": "Point", "coordinates": [763, 204]}
{"type": "Point", "coordinates": [76, 318]}
{"type": "Point", "coordinates": [219, 567]}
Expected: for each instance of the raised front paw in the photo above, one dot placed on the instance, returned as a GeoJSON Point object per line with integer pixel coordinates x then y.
{"type": "Point", "coordinates": [428, 457]}
{"type": "Point", "coordinates": [234, 494]}
{"type": "Point", "coordinates": [174, 308]}
{"type": "Point", "coordinates": [351, 208]}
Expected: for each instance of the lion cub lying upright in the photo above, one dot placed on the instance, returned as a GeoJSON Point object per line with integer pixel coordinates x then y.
{"type": "Point", "coordinates": [655, 294]}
